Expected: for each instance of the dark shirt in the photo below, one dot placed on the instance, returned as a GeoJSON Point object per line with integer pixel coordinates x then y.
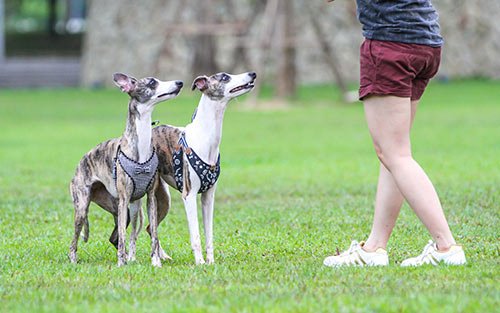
{"type": "Point", "coordinates": [407, 21]}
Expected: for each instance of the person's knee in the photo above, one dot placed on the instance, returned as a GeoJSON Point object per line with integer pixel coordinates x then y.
{"type": "Point", "coordinates": [380, 154]}
{"type": "Point", "coordinates": [391, 158]}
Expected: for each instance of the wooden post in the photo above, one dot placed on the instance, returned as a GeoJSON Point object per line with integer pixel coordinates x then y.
{"type": "Point", "coordinates": [204, 46]}
{"type": "Point", "coordinates": [265, 38]}
{"type": "Point", "coordinates": [286, 71]}
{"type": "Point", "coordinates": [328, 53]}
{"type": "Point", "coordinates": [2, 31]}
{"type": "Point", "coordinates": [52, 20]}
{"type": "Point", "coordinates": [165, 52]}
{"type": "Point", "coordinates": [240, 57]}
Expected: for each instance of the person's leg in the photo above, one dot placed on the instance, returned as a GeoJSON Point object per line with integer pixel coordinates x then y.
{"type": "Point", "coordinates": [389, 122]}
{"type": "Point", "coordinates": [388, 202]}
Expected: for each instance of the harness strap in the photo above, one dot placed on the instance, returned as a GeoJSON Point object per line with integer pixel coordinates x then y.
{"type": "Point", "coordinates": [141, 174]}
{"type": "Point", "coordinates": [182, 141]}
{"type": "Point", "coordinates": [207, 173]}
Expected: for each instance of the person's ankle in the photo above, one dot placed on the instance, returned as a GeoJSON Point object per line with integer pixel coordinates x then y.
{"type": "Point", "coordinates": [370, 248]}
{"type": "Point", "coordinates": [444, 246]}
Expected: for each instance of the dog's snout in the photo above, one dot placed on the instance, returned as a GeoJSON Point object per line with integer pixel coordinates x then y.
{"type": "Point", "coordinates": [253, 75]}
{"type": "Point", "coordinates": [179, 83]}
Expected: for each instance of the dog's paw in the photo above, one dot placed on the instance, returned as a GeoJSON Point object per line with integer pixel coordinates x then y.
{"type": "Point", "coordinates": [200, 261]}
{"type": "Point", "coordinates": [72, 257]}
{"type": "Point", "coordinates": [210, 260]}
{"type": "Point", "coordinates": [155, 261]}
{"type": "Point", "coordinates": [131, 258]}
{"type": "Point", "coordinates": [121, 262]}
{"type": "Point", "coordinates": [164, 256]}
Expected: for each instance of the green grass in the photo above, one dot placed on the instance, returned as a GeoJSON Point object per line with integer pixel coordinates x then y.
{"type": "Point", "coordinates": [296, 184]}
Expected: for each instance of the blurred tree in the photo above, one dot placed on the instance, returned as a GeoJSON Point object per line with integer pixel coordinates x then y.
{"type": "Point", "coordinates": [52, 20]}
{"type": "Point", "coordinates": [286, 73]}
{"type": "Point", "coordinates": [204, 46]}
{"type": "Point", "coordinates": [2, 31]}
{"type": "Point", "coordinates": [240, 57]}
{"type": "Point", "coordinates": [12, 6]}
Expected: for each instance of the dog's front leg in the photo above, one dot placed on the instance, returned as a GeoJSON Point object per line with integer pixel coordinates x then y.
{"type": "Point", "coordinates": [153, 222]}
{"type": "Point", "coordinates": [162, 207]}
{"type": "Point", "coordinates": [135, 213]}
{"type": "Point", "coordinates": [207, 209]}
{"type": "Point", "coordinates": [122, 227]}
{"type": "Point", "coordinates": [194, 230]}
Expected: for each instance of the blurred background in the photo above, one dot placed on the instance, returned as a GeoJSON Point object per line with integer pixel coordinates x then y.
{"type": "Point", "coordinates": [52, 43]}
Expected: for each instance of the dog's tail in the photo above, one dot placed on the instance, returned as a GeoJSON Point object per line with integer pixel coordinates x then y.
{"type": "Point", "coordinates": [86, 229]}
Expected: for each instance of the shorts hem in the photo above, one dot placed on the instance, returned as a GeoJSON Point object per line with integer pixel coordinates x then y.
{"type": "Point", "coordinates": [363, 93]}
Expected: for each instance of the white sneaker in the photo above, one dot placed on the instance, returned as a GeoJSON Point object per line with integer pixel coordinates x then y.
{"type": "Point", "coordinates": [454, 256]}
{"type": "Point", "coordinates": [356, 256]}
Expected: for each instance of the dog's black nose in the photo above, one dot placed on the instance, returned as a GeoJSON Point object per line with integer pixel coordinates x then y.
{"type": "Point", "coordinates": [179, 83]}
{"type": "Point", "coordinates": [253, 75]}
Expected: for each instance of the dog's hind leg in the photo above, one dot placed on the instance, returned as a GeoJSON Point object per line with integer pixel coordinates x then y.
{"type": "Point", "coordinates": [105, 200]}
{"type": "Point", "coordinates": [135, 213]}
{"type": "Point", "coordinates": [81, 201]}
{"type": "Point", "coordinates": [207, 209]}
{"type": "Point", "coordinates": [113, 238]}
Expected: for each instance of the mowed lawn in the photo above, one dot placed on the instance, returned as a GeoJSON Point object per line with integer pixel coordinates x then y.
{"type": "Point", "coordinates": [296, 184]}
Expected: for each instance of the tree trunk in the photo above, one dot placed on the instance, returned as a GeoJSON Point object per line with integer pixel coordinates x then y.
{"type": "Point", "coordinates": [2, 31]}
{"type": "Point", "coordinates": [286, 76]}
{"type": "Point", "coordinates": [329, 55]}
{"type": "Point", "coordinates": [51, 23]}
{"type": "Point", "coordinates": [204, 45]}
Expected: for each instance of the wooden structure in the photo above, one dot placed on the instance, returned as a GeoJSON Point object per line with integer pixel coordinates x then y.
{"type": "Point", "coordinates": [275, 39]}
{"type": "Point", "coordinates": [279, 27]}
{"type": "Point", "coordinates": [39, 72]}
{"type": "Point", "coordinates": [269, 25]}
{"type": "Point", "coordinates": [28, 72]}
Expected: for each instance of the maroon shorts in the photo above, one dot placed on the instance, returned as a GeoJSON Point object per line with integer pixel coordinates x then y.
{"type": "Point", "coordinates": [398, 69]}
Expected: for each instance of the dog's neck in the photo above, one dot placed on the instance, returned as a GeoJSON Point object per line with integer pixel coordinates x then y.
{"type": "Point", "coordinates": [136, 140]}
{"type": "Point", "coordinates": [204, 134]}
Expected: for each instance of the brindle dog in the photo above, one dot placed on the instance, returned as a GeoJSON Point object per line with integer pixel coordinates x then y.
{"type": "Point", "coordinates": [121, 171]}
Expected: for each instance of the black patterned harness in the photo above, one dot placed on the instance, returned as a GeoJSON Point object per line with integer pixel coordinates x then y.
{"type": "Point", "coordinates": [141, 174]}
{"type": "Point", "coordinates": [207, 173]}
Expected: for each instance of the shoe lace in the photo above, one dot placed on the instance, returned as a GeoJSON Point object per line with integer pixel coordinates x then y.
{"type": "Point", "coordinates": [353, 247]}
{"type": "Point", "coordinates": [350, 256]}
{"type": "Point", "coordinates": [350, 252]}
{"type": "Point", "coordinates": [427, 251]}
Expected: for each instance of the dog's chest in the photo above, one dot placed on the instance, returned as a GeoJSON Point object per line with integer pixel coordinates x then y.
{"type": "Point", "coordinates": [142, 174]}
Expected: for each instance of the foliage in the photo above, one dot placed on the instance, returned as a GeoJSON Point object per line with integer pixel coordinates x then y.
{"type": "Point", "coordinates": [296, 184]}
{"type": "Point", "coordinates": [26, 14]}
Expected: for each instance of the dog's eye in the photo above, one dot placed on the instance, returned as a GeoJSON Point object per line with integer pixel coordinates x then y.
{"type": "Point", "coordinates": [225, 78]}
{"type": "Point", "coordinates": [151, 84]}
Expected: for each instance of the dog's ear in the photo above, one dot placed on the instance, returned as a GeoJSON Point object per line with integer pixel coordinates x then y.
{"type": "Point", "coordinates": [200, 82]}
{"type": "Point", "coordinates": [125, 82]}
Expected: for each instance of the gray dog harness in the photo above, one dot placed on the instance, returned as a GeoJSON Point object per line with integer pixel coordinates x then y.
{"type": "Point", "coordinates": [207, 173]}
{"type": "Point", "coordinates": [141, 174]}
